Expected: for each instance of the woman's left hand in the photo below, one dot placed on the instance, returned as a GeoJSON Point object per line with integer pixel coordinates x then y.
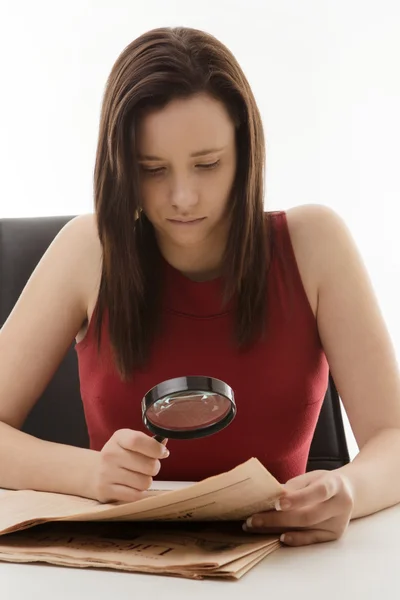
{"type": "Point", "coordinates": [319, 510]}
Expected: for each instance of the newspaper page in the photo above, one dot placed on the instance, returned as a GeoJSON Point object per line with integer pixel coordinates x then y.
{"type": "Point", "coordinates": [232, 496]}
{"type": "Point", "coordinates": [173, 549]}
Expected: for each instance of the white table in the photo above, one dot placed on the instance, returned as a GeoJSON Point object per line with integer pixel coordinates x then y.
{"type": "Point", "coordinates": [364, 564]}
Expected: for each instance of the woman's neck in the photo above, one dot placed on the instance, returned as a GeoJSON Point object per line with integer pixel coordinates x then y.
{"type": "Point", "coordinates": [198, 262]}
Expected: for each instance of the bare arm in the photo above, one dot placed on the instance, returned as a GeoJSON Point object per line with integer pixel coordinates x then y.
{"type": "Point", "coordinates": [33, 342]}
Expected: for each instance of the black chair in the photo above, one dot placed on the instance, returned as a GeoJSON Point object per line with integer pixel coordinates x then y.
{"type": "Point", "coordinates": [58, 414]}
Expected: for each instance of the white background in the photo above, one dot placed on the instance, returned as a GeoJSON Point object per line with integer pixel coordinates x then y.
{"type": "Point", "coordinates": [325, 74]}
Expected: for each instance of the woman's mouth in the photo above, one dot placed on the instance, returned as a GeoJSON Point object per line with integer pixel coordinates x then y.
{"type": "Point", "coordinates": [188, 222]}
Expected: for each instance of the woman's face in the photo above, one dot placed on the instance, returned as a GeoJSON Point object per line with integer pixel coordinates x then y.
{"type": "Point", "coordinates": [185, 196]}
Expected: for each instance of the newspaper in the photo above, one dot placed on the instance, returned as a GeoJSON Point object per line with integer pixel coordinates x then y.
{"type": "Point", "coordinates": [191, 532]}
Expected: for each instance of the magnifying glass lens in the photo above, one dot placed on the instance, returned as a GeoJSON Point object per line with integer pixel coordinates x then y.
{"type": "Point", "coordinates": [186, 411]}
{"type": "Point", "coordinates": [188, 407]}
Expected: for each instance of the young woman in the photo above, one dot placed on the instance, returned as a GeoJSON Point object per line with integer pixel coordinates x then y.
{"type": "Point", "coordinates": [181, 272]}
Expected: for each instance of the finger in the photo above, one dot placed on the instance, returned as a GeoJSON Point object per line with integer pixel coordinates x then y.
{"type": "Point", "coordinates": [133, 480]}
{"type": "Point", "coordinates": [273, 521]}
{"type": "Point", "coordinates": [139, 463]}
{"type": "Point", "coordinates": [308, 537]}
{"type": "Point", "coordinates": [321, 490]}
{"type": "Point", "coordinates": [123, 493]}
{"type": "Point", "coordinates": [137, 441]}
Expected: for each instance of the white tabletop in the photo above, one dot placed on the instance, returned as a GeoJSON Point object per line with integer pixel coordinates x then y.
{"type": "Point", "coordinates": [363, 564]}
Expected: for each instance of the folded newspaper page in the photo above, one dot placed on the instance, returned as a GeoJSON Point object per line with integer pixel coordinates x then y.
{"type": "Point", "coordinates": [231, 496]}
{"type": "Point", "coordinates": [153, 540]}
{"type": "Point", "coordinates": [177, 549]}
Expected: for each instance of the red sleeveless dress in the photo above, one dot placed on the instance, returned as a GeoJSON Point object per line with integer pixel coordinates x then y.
{"type": "Point", "coordinates": [279, 383]}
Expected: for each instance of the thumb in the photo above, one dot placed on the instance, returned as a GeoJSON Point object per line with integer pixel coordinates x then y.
{"type": "Point", "coordinates": [301, 481]}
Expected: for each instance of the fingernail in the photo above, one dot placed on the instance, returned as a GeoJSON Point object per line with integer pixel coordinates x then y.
{"type": "Point", "coordinates": [284, 504]}
{"type": "Point", "coordinates": [282, 538]}
{"type": "Point", "coordinates": [165, 452]}
{"type": "Point", "coordinates": [249, 522]}
{"type": "Point", "coordinates": [278, 504]}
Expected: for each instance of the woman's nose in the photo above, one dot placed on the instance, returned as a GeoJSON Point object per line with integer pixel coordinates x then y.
{"type": "Point", "coordinates": [184, 198]}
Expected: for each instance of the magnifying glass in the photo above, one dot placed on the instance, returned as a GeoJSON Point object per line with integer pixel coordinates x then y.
{"type": "Point", "coordinates": [188, 407]}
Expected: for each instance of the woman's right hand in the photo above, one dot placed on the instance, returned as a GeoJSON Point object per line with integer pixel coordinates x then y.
{"type": "Point", "coordinates": [126, 466]}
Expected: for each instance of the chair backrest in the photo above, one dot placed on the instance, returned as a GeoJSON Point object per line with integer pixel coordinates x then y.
{"type": "Point", "coordinates": [58, 414]}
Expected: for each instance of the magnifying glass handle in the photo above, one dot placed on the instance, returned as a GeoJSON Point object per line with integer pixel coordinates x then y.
{"type": "Point", "coordinates": [159, 438]}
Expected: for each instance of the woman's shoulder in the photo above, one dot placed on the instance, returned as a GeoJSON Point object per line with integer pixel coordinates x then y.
{"type": "Point", "coordinates": [302, 224]}
{"type": "Point", "coordinates": [91, 266]}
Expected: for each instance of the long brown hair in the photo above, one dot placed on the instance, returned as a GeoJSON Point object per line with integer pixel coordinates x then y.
{"type": "Point", "coordinates": [160, 65]}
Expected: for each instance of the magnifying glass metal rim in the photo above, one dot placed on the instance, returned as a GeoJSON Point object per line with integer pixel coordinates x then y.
{"type": "Point", "coordinates": [190, 383]}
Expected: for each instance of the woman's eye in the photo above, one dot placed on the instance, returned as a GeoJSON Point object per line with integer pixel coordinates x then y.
{"type": "Point", "coordinates": [210, 165]}
{"type": "Point", "coordinates": [160, 169]}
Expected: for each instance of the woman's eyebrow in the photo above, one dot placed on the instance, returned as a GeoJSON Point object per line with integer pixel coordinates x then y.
{"type": "Point", "coordinates": [194, 154]}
